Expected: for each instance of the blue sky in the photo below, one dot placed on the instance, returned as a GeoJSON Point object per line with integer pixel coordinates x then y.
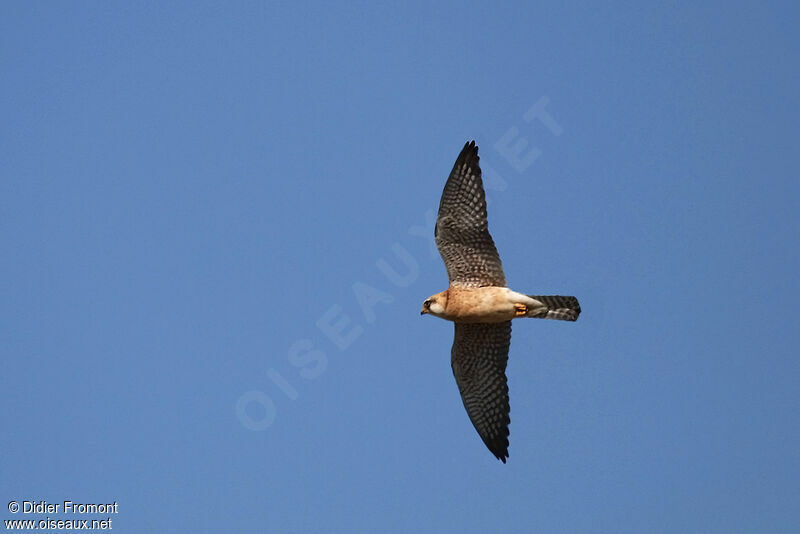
{"type": "Point", "coordinates": [190, 192]}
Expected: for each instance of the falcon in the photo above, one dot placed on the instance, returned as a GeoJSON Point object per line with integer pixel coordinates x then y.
{"type": "Point", "coordinates": [479, 302]}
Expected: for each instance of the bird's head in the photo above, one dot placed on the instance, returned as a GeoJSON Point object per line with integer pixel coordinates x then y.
{"type": "Point", "coordinates": [435, 304]}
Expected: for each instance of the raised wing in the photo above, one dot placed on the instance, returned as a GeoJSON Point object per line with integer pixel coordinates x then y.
{"type": "Point", "coordinates": [479, 357]}
{"type": "Point", "coordinates": [462, 228]}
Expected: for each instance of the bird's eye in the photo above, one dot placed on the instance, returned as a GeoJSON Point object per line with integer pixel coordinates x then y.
{"type": "Point", "coordinates": [427, 303]}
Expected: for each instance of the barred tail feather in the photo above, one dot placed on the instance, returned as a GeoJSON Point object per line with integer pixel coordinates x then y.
{"type": "Point", "coordinates": [558, 307]}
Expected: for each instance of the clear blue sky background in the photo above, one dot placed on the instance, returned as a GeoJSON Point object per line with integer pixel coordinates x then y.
{"type": "Point", "coordinates": [188, 189]}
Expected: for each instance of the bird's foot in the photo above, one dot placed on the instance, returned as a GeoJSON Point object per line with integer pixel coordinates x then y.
{"type": "Point", "coordinates": [520, 310]}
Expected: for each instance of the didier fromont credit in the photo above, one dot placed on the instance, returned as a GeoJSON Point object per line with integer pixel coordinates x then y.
{"type": "Point", "coordinates": [69, 507]}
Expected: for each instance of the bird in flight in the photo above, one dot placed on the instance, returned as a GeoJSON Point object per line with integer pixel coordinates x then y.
{"type": "Point", "coordinates": [479, 302]}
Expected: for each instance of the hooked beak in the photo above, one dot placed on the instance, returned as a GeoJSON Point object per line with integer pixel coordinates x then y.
{"type": "Point", "coordinates": [422, 312]}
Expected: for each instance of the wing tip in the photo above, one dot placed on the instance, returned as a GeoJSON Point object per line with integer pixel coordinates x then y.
{"type": "Point", "coordinates": [469, 157]}
{"type": "Point", "coordinates": [470, 148]}
{"type": "Point", "coordinates": [500, 452]}
{"type": "Point", "coordinates": [499, 445]}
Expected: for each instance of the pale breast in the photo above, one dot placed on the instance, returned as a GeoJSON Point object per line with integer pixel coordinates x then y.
{"type": "Point", "coordinates": [479, 305]}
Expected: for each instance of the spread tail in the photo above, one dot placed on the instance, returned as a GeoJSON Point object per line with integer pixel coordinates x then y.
{"type": "Point", "coordinates": [557, 307]}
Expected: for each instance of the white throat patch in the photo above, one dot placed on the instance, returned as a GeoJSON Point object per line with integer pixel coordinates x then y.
{"type": "Point", "coordinates": [436, 308]}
